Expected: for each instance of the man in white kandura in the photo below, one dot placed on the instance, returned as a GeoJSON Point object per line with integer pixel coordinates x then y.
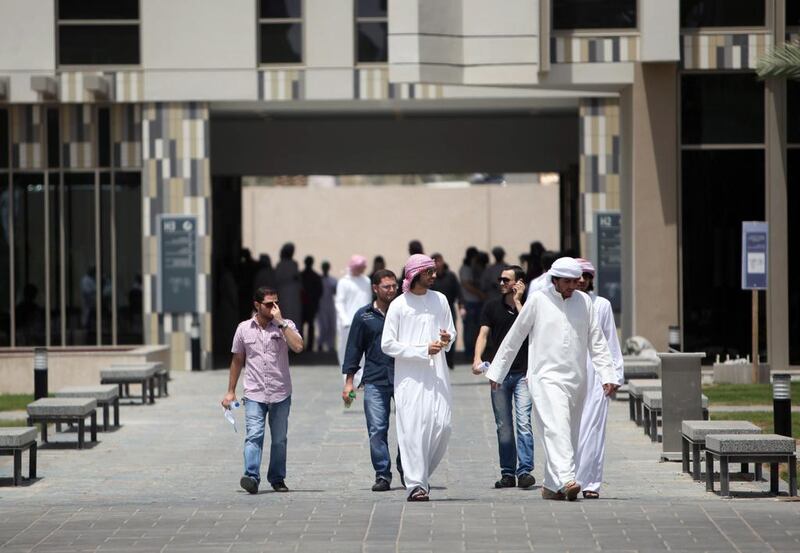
{"type": "Point", "coordinates": [353, 291]}
{"type": "Point", "coordinates": [592, 441]}
{"type": "Point", "coordinates": [562, 329]}
{"type": "Point", "coordinates": [418, 331]}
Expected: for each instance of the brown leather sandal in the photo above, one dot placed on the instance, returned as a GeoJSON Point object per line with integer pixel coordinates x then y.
{"type": "Point", "coordinates": [591, 495]}
{"type": "Point", "coordinates": [418, 494]}
{"type": "Point", "coordinates": [572, 490]}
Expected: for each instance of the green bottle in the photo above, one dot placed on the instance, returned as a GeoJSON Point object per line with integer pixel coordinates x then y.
{"type": "Point", "coordinates": [350, 397]}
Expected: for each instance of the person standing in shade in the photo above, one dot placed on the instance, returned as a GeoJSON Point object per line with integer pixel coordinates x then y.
{"type": "Point", "coordinates": [287, 282]}
{"type": "Point", "coordinates": [447, 283]}
{"type": "Point", "coordinates": [489, 282]}
{"type": "Point", "coordinates": [511, 399]}
{"type": "Point", "coordinates": [473, 299]}
{"type": "Point", "coordinates": [261, 345]}
{"type": "Point", "coordinates": [353, 292]}
{"type": "Point", "coordinates": [562, 330]}
{"type": "Point", "coordinates": [364, 341]}
{"type": "Point", "coordinates": [326, 317]}
{"type": "Point", "coordinates": [418, 330]}
{"type": "Point", "coordinates": [311, 293]}
{"type": "Point", "coordinates": [592, 441]}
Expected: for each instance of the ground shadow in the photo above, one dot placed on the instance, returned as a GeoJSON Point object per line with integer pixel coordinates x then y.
{"type": "Point", "coordinates": [67, 445]}
{"type": "Point", "coordinates": [9, 482]}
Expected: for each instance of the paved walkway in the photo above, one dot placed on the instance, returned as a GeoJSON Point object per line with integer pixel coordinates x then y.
{"type": "Point", "coordinates": [168, 481]}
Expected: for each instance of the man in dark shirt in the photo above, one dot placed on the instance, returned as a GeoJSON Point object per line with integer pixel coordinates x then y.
{"type": "Point", "coordinates": [310, 294]}
{"type": "Point", "coordinates": [364, 341]}
{"type": "Point", "coordinates": [516, 459]}
{"type": "Point", "coordinates": [447, 283]}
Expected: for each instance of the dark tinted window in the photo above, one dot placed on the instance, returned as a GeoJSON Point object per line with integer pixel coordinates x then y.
{"type": "Point", "coordinates": [722, 13]}
{"type": "Point", "coordinates": [594, 14]}
{"type": "Point", "coordinates": [98, 44]}
{"type": "Point", "coordinates": [98, 9]}
{"type": "Point", "coordinates": [720, 189]}
{"type": "Point", "coordinates": [281, 43]}
{"type": "Point", "coordinates": [280, 8]}
{"type": "Point", "coordinates": [793, 110]}
{"type": "Point", "coordinates": [53, 144]}
{"type": "Point", "coordinates": [722, 109]}
{"type": "Point", "coordinates": [103, 138]}
{"type": "Point", "coordinates": [29, 255]}
{"type": "Point", "coordinates": [371, 8]}
{"type": "Point", "coordinates": [794, 254]}
{"type": "Point", "coordinates": [128, 220]}
{"type": "Point", "coordinates": [373, 45]}
{"type": "Point", "coordinates": [3, 139]}
{"type": "Point", "coordinates": [79, 261]}
{"type": "Point", "coordinates": [793, 12]}
{"type": "Point", "coordinates": [5, 268]}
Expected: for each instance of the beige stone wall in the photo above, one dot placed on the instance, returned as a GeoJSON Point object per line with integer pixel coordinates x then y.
{"type": "Point", "coordinates": [334, 223]}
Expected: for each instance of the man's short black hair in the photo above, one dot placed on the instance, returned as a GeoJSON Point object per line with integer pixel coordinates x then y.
{"type": "Point", "coordinates": [263, 291]}
{"type": "Point", "coordinates": [519, 272]}
{"type": "Point", "coordinates": [378, 276]}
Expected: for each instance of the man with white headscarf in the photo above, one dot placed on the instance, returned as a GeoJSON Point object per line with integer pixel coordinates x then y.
{"type": "Point", "coordinates": [353, 291]}
{"type": "Point", "coordinates": [562, 329]}
{"type": "Point", "coordinates": [592, 442]}
{"type": "Point", "coordinates": [418, 331]}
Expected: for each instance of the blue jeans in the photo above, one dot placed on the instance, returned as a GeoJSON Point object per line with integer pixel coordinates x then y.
{"type": "Point", "coordinates": [256, 414]}
{"type": "Point", "coordinates": [515, 458]}
{"type": "Point", "coordinates": [377, 406]}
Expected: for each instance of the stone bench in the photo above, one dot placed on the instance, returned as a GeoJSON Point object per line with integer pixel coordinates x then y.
{"type": "Point", "coordinates": [636, 387]}
{"type": "Point", "coordinates": [13, 441]}
{"type": "Point", "coordinates": [106, 395]}
{"type": "Point", "coordinates": [124, 375]}
{"type": "Point", "coordinates": [750, 448]}
{"type": "Point", "coordinates": [694, 439]}
{"type": "Point", "coordinates": [64, 409]}
{"type": "Point", "coordinates": [161, 376]}
{"type": "Point", "coordinates": [652, 405]}
{"type": "Point", "coordinates": [641, 367]}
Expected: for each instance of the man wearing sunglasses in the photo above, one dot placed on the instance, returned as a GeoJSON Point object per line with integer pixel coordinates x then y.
{"type": "Point", "coordinates": [497, 317]}
{"type": "Point", "coordinates": [261, 345]}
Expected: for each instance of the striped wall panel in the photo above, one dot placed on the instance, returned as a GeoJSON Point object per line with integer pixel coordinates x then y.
{"type": "Point", "coordinates": [129, 86]}
{"type": "Point", "coordinates": [77, 137]}
{"type": "Point", "coordinates": [126, 128]}
{"type": "Point", "coordinates": [579, 49]}
{"type": "Point", "coordinates": [373, 84]}
{"type": "Point", "coordinates": [126, 86]}
{"type": "Point", "coordinates": [26, 137]}
{"type": "Point", "coordinates": [723, 51]}
{"type": "Point", "coordinates": [280, 85]}
{"type": "Point", "coordinates": [600, 158]}
{"type": "Point", "coordinates": [176, 179]}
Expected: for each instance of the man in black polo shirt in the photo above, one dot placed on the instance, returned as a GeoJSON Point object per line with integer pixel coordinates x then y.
{"type": "Point", "coordinates": [516, 455]}
{"type": "Point", "coordinates": [378, 378]}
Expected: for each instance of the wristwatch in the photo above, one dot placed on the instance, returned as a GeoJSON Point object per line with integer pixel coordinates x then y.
{"type": "Point", "coordinates": [283, 326]}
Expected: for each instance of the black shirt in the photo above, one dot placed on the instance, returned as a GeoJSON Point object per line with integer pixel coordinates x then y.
{"type": "Point", "coordinates": [499, 317]}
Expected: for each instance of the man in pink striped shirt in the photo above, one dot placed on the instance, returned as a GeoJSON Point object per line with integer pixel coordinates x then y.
{"type": "Point", "coordinates": [261, 345]}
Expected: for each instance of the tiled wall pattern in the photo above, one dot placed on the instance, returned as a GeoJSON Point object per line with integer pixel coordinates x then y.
{"type": "Point", "coordinates": [600, 151]}
{"type": "Point", "coordinates": [126, 130]}
{"type": "Point", "coordinates": [602, 49]}
{"type": "Point", "coordinates": [176, 180]}
{"type": "Point", "coordinates": [373, 84]}
{"type": "Point", "coordinates": [26, 136]}
{"type": "Point", "coordinates": [723, 50]}
{"type": "Point", "coordinates": [126, 86]}
{"type": "Point", "coordinates": [280, 84]}
{"type": "Point", "coordinates": [77, 136]}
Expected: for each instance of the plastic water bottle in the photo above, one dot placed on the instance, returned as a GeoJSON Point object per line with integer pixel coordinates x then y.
{"type": "Point", "coordinates": [350, 398]}
{"type": "Point", "coordinates": [228, 413]}
{"type": "Point", "coordinates": [483, 367]}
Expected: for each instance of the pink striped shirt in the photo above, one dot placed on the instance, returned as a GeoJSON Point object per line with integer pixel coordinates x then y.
{"type": "Point", "coordinates": [266, 374]}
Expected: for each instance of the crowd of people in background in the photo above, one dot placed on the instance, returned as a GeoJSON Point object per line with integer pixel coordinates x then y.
{"type": "Point", "coordinates": [310, 298]}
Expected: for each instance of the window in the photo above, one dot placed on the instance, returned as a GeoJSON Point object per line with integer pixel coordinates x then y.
{"type": "Point", "coordinates": [594, 14]}
{"type": "Point", "coordinates": [792, 13]}
{"type": "Point", "coordinates": [5, 264]}
{"type": "Point", "coordinates": [98, 32]}
{"type": "Point", "coordinates": [793, 111]}
{"type": "Point", "coordinates": [722, 13]}
{"type": "Point", "coordinates": [794, 253]}
{"type": "Point", "coordinates": [372, 31]}
{"type": "Point", "coordinates": [708, 103]}
{"type": "Point", "coordinates": [280, 33]}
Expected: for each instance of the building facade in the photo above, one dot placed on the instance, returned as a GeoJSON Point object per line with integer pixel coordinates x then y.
{"type": "Point", "coordinates": [115, 114]}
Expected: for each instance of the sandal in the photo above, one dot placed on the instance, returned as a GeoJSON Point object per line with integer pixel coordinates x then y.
{"type": "Point", "coordinates": [591, 495]}
{"type": "Point", "coordinates": [418, 494]}
{"type": "Point", "coordinates": [571, 490]}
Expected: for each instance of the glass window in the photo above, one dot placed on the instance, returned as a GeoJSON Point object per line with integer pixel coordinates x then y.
{"type": "Point", "coordinates": [5, 263]}
{"type": "Point", "coordinates": [29, 259]}
{"type": "Point", "coordinates": [98, 44]}
{"type": "Point", "coordinates": [792, 13]}
{"type": "Point", "coordinates": [708, 105]}
{"type": "Point", "coordinates": [373, 42]}
{"type": "Point", "coordinates": [371, 8]}
{"type": "Point", "coordinates": [4, 138]}
{"type": "Point", "coordinates": [793, 110]}
{"type": "Point", "coordinates": [720, 189]}
{"type": "Point", "coordinates": [80, 265]}
{"type": "Point", "coordinates": [794, 253]}
{"type": "Point", "coordinates": [280, 31]}
{"type": "Point", "coordinates": [98, 9]}
{"type": "Point", "coordinates": [104, 137]}
{"type": "Point", "coordinates": [53, 145]}
{"type": "Point", "coordinates": [106, 307]}
{"type": "Point", "coordinates": [128, 219]}
{"type": "Point", "coordinates": [594, 14]}
{"type": "Point", "coordinates": [722, 13]}
{"type": "Point", "coordinates": [54, 277]}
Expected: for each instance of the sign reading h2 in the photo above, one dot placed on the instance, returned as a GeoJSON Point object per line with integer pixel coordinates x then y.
{"type": "Point", "coordinates": [177, 292]}
{"type": "Point", "coordinates": [755, 255]}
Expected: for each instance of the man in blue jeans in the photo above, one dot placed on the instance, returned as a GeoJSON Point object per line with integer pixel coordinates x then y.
{"type": "Point", "coordinates": [261, 345]}
{"type": "Point", "coordinates": [378, 378]}
{"type": "Point", "coordinates": [516, 456]}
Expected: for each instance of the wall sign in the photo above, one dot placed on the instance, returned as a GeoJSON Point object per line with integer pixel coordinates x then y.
{"type": "Point", "coordinates": [177, 239]}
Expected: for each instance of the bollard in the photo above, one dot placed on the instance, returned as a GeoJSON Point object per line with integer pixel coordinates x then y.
{"type": "Point", "coordinates": [195, 339]}
{"type": "Point", "coordinates": [782, 403]}
{"type": "Point", "coordinates": [674, 338]}
{"type": "Point", "coordinates": [39, 373]}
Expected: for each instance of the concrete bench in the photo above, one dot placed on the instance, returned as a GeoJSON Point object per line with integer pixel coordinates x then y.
{"type": "Point", "coordinates": [750, 448]}
{"type": "Point", "coordinates": [652, 405]}
{"type": "Point", "coordinates": [106, 395]}
{"type": "Point", "coordinates": [64, 409]}
{"type": "Point", "coordinates": [13, 441]}
{"type": "Point", "coordinates": [641, 367]}
{"type": "Point", "coordinates": [636, 388]}
{"type": "Point", "coordinates": [123, 375]}
{"type": "Point", "coordinates": [694, 439]}
{"type": "Point", "coordinates": [161, 376]}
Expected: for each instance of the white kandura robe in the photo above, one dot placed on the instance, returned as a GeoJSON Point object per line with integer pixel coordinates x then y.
{"type": "Point", "coordinates": [352, 293]}
{"type": "Point", "coordinates": [592, 440]}
{"type": "Point", "coordinates": [421, 382]}
{"type": "Point", "coordinates": [560, 335]}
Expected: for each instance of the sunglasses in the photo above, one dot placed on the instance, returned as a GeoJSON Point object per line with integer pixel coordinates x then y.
{"type": "Point", "coordinates": [268, 304]}
{"type": "Point", "coordinates": [503, 280]}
